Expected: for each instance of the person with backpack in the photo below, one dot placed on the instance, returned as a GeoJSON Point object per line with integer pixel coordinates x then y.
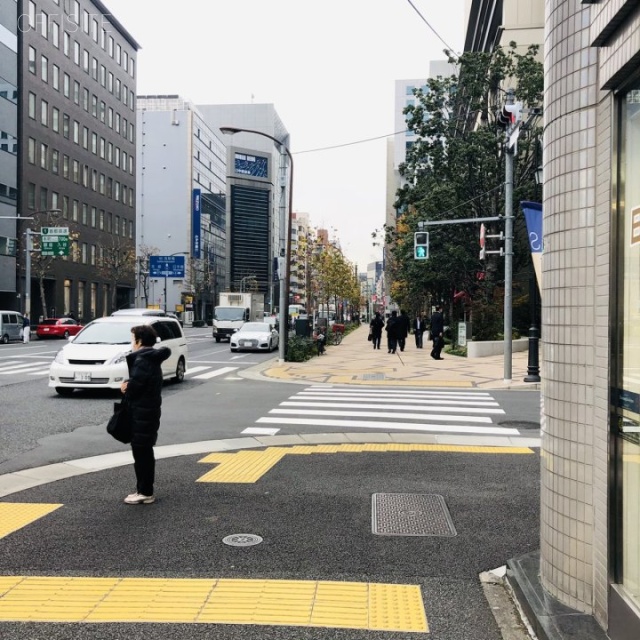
{"type": "Point", "coordinates": [375, 329]}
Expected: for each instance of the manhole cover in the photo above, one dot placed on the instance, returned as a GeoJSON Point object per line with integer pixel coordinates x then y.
{"type": "Point", "coordinates": [519, 424]}
{"type": "Point", "coordinates": [242, 540]}
{"type": "Point", "coordinates": [410, 514]}
{"type": "Point", "coordinates": [372, 376]}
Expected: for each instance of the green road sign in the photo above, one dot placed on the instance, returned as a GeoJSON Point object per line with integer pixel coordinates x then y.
{"type": "Point", "coordinates": [54, 241]}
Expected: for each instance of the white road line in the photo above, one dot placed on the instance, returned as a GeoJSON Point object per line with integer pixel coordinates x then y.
{"type": "Point", "coordinates": [40, 373]}
{"type": "Point", "coordinates": [379, 414]}
{"type": "Point", "coordinates": [26, 365]}
{"type": "Point", "coordinates": [19, 371]}
{"type": "Point", "coordinates": [214, 373]}
{"type": "Point", "coordinates": [400, 407]}
{"type": "Point", "coordinates": [259, 431]}
{"type": "Point", "coordinates": [4, 365]}
{"type": "Point", "coordinates": [417, 401]}
{"type": "Point", "coordinates": [400, 394]}
{"type": "Point", "coordinates": [400, 426]}
{"type": "Point", "coordinates": [192, 370]}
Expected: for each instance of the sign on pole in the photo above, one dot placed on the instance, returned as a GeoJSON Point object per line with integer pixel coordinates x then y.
{"type": "Point", "coordinates": [54, 241]}
{"type": "Point", "coordinates": [166, 266]}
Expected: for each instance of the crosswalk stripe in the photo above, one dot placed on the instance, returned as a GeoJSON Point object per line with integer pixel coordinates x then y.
{"type": "Point", "coordinates": [416, 401]}
{"type": "Point", "coordinates": [214, 373]}
{"type": "Point", "coordinates": [378, 414]}
{"type": "Point", "coordinates": [404, 426]}
{"type": "Point", "coordinates": [192, 370]}
{"type": "Point", "coordinates": [399, 407]}
{"type": "Point", "coordinates": [24, 365]}
{"type": "Point", "coordinates": [399, 394]}
{"type": "Point", "coordinates": [40, 373]}
{"type": "Point", "coordinates": [23, 369]}
{"type": "Point", "coordinates": [10, 363]}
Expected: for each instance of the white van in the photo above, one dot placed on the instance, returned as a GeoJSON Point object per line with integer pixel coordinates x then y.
{"type": "Point", "coordinates": [96, 357]}
{"type": "Point", "coordinates": [10, 326]}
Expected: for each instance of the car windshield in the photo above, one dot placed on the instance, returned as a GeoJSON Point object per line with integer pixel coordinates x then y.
{"type": "Point", "coordinates": [106, 333]}
{"type": "Point", "coordinates": [254, 326]}
{"type": "Point", "coordinates": [228, 313]}
{"type": "Point", "coordinates": [49, 321]}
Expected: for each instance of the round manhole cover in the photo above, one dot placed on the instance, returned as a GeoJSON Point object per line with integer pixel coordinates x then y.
{"type": "Point", "coordinates": [519, 424]}
{"type": "Point", "coordinates": [242, 540]}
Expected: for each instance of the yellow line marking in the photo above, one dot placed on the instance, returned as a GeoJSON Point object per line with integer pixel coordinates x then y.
{"type": "Point", "coordinates": [246, 467]}
{"type": "Point", "coordinates": [351, 605]}
{"type": "Point", "coordinates": [15, 515]}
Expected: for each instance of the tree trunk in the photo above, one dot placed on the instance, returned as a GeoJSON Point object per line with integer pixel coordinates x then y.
{"type": "Point", "coordinates": [43, 298]}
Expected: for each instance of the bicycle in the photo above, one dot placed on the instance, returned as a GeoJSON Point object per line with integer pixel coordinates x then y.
{"type": "Point", "coordinates": [337, 337]}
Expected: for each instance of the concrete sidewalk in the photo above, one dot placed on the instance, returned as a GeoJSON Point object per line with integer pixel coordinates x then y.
{"type": "Point", "coordinates": [356, 362]}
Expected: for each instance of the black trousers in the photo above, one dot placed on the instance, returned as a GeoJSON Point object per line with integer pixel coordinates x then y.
{"type": "Point", "coordinates": [418, 336]}
{"type": "Point", "coordinates": [376, 340]}
{"type": "Point", "coordinates": [144, 464]}
{"type": "Point", "coordinates": [438, 343]}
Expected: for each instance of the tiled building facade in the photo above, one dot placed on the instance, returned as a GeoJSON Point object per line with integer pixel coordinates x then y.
{"type": "Point", "coordinates": [590, 517]}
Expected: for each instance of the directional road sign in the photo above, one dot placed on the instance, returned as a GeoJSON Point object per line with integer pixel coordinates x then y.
{"type": "Point", "coordinates": [166, 266]}
{"type": "Point", "coordinates": [54, 241]}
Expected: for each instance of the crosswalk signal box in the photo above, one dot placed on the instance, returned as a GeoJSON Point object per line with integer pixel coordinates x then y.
{"type": "Point", "coordinates": [421, 245]}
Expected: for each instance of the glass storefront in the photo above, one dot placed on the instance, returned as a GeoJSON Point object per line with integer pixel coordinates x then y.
{"type": "Point", "coordinates": [627, 376]}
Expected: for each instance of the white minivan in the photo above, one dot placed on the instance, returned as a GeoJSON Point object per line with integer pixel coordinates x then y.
{"type": "Point", "coordinates": [96, 357]}
{"type": "Point", "coordinates": [10, 326]}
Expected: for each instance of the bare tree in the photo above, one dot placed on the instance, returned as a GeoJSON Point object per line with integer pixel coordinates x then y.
{"type": "Point", "coordinates": [117, 264]}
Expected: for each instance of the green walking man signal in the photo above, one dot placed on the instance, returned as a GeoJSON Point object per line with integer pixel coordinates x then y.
{"type": "Point", "coordinates": [421, 245]}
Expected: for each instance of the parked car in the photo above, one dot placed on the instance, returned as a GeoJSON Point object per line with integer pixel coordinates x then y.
{"type": "Point", "coordinates": [96, 357]}
{"type": "Point", "coordinates": [10, 326]}
{"type": "Point", "coordinates": [255, 336]}
{"type": "Point", "coordinates": [58, 328]}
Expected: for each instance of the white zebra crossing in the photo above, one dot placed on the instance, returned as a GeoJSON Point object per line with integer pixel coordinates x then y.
{"type": "Point", "coordinates": [464, 412]}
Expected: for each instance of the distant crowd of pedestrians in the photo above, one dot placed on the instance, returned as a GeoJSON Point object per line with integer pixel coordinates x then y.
{"type": "Point", "coordinates": [399, 326]}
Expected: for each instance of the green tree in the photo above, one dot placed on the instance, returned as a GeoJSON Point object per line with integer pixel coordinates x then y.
{"type": "Point", "coordinates": [455, 169]}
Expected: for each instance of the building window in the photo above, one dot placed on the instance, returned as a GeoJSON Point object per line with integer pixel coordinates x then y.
{"type": "Point", "coordinates": [31, 195]}
{"type": "Point", "coordinates": [44, 199]}
{"type": "Point", "coordinates": [44, 68]}
{"type": "Point", "coordinates": [65, 166]}
{"type": "Point", "coordinates": [44, 113]}
{"type": "Point", "coordinates": [31, 10]}
{"type": "Point", "coordinates": [32, 105]}
{"type": "Point", "coordinates": [65, 207]}
{"type": "Point", "coordinates": [76, 173]}
{"type": "Point", "coordinates": [31, 151]}
{"type": "Point", "coordinates": [66, 84]}
{"type": "Point", "coordinates": [55, 34]}
{"type": "Point", "coordinates": [85, 60]}
{"type": "Point", "coordinates": [94, 142]}
{"type": "Point", "coordinates": [32, 60]}
{"type": "Point", "coordinates": [85, 213]}
{"type": "Point", "coordinates": [54, 199]}
{"type": "Point", "coordinates": [85, 100]}
{"type": "Point", "coordinates": [55, 77]}
{"type": "Point", "coordinates": [101, 220]}
{"type": "Point", "coordinates": [44, 24]}
{"type": "Point", "coordinates": [93, 217]}
{"type": "Point", "coordinates": [44, 156]}
{"type": "Point", "coordinates": [81, 287]}
{"type": "Point", "coordinates": [74, 210]}
{"type": "Point", "coordinates": [76, 52]}
{"type": "Point", "coordinates": [85, 137]}
{"type": "Point", "coordinates": [76, 132]}
{"type": "Point", "coordinates": [76, 92]}
{"type": "Point", "coordinates": [94, 69]}
{"type": "Point", "coordinates": [66, 43]}
{"type": "Point", "coordinates": [55, 155]}
{"type": "Point", "coordinates": [55, 119]}
{"type": "Point", "coordinates": [110, 46]}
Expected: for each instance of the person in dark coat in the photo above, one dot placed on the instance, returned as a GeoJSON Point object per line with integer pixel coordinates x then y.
{"type": "Point", "coordinates": [393, 331]}
{"type": "Point", "coordinates": [143, 395]}
{"type": "Point", "coordinates": [404, 326]}
{"type": "Point", "coordinates": [376, 325]}
{"type": "Point", "coordinates": [437, 333]}
{"type": "Point", "coordinates": [419, 327]}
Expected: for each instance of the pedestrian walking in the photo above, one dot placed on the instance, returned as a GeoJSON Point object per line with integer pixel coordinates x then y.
{"type": "Point", "coordinates": [392, 329]}
{"type": "Point", "coordinates": [143, 395]}
{"type": "Point", "coordinates": [375, 327]}
{"type": "Point", "coordinates": [404, 326]}
{"type": "Point", "coordinates": [26, 329]}
{"type": "Point", "coordinates": [437, 333]}
{"type": "Point", "coordinates": [419, 327]}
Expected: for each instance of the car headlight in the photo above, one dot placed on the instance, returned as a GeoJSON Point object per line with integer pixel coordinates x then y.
{"type": "Point", "coordinates": [117, 359]}
{"type": "Point", "coordinates": [61, 358]}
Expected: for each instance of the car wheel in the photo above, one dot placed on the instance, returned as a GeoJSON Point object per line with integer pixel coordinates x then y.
{"type": "Point", "coordinates": [5, 339]}
{"type": "Point", "coordinates": [64, 391]}
{"type": "Point", "coordinates": [66, 335]}
{"type": "Point", "coordinates": [180, 369]}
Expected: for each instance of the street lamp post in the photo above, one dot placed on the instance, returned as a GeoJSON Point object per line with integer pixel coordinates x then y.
{"type": "Point", "coordinates": [284, 289]}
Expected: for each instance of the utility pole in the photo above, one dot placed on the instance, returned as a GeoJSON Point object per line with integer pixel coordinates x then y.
{"type": "Point", "coordinates": [510, 151]}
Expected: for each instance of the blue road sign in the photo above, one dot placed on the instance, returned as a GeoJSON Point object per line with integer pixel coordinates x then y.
{"type": "Point", "coordinates": [166, 266]}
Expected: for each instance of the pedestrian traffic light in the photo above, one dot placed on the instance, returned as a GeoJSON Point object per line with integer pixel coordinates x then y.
{"type": "Point", "coordinates": [421, 245]}
{"type": "Point", "coordinates": [510, 115]}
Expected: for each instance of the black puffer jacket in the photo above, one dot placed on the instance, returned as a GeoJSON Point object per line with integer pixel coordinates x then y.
{"type": "Point", "coordinates": [144, 392]}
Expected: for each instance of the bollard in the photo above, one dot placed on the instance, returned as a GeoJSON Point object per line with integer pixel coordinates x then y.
{"type": "Point", "coordinates": [533, 367]}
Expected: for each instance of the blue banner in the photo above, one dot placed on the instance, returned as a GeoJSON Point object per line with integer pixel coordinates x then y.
{"type": "Point", "coordinates": [195, 223]}
{"type": "Point", "coordinates": [533, 217]}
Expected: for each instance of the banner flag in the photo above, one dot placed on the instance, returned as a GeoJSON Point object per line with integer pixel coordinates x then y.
{"type": "Point", "coordinates": [533, 217]}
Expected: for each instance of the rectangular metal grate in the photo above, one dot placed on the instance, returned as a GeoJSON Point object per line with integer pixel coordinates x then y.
{"type": "Point", "coordinates": [372, 376]}
{"type": "Point", "coordinates": [410, 514]}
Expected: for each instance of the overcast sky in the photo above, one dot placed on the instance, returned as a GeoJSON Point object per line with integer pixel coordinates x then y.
{"type": "Point", "coordinates": [329, 69]}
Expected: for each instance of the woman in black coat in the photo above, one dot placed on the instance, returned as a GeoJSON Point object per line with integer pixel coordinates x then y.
{"type": "Point", "coordinates": [143, 396]}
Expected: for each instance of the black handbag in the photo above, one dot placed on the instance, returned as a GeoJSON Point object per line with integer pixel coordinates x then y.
{"type": "Point", "coordinates": [119, 425]}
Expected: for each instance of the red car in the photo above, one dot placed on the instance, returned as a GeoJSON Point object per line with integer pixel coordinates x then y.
{"type": "Point", "coordinates": [58, 328]}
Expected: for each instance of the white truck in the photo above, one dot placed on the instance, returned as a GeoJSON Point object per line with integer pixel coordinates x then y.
{"type": "Point", "coordinates": [234, 310]}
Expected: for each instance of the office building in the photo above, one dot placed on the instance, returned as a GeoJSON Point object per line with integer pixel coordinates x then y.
{"type": "Point", "coordinates": [76, 79]}
{"type": "Point", "coordinates": [180, 206]}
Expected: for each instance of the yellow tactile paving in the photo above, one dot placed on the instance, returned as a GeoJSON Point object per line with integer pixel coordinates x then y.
{"type": "Point", "coordinates": [15, 515]}
{"type": "Point", "coordinates": [308, 603]}
{"type": "Point", "coordinates": [249, 466]}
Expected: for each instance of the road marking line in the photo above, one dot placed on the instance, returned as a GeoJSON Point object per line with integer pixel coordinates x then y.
{"type": "Point", "coordinates": [214, 373]}
{"type": "Point", "coordinates": [412, 399]}
{"type": "Point", "coordinates": [40, 373]}
{"type": "Point", "coordinates": [191, 370]}
{"type": "Point", "coordinates": [26, 365]}
{"type": "Point", "coordinates": [259, 431]}
{"type": "Point", "coordinates": [248, 466]}
{"type": "Point", "coordinates": [15, 515]}
{"type": "Point", "coordinates": [406, 426]}
{"type": "Point", "coordinates": [24, 369]}
{"type": "Point", "coordinates": [399, 394]}
{"type": "Point", "coordinates": [308, 603]}
{"type": "Point", "coordinates": [400, 407]}
{"type": "Point", "coordinates": [381, 414]}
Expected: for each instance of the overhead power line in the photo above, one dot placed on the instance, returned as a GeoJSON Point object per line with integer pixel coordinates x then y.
{"type": "Point", "coordinates": [431, 27]}
{"type": "Point", "coordinates": [349, 144]}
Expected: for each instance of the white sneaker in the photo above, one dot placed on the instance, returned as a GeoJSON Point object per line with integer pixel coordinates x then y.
{"type": "Point", "coordinates": [138, 498]}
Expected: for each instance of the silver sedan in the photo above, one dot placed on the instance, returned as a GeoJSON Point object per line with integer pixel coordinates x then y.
{"type": "Point", "coordinates": [255, 336]}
